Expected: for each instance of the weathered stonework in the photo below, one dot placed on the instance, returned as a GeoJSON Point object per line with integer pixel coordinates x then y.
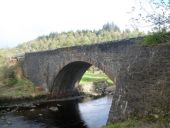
{"type": "Point", "coordinates": [143, 86]}
{"type": "Point", "coordinates": [141, 74]}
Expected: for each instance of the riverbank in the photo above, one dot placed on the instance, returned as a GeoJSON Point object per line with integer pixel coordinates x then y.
{"type": "Point", "coordinates": [24, 94]}
{"type": "Point", "coordinates": [8, 104]}
{"type": "Point", "coordinates": [97, 88]}
{"type": "Point", "coordinates": [142, 123]}
{"type": "Point", "coordinates": [83, 113]}
{"type": "Point", "coordinates": [24, 103]}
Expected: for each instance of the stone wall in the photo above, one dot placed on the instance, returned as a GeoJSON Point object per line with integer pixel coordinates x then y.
{"type": "Point", "coordinates": [141, 74]}
{"type": "Point", "coordinates": [143, 87]}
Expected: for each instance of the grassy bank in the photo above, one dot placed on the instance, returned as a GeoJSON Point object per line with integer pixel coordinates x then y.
{"type": "Point", "coordinates": [132, 123]}
{"type": "Point", "coordinates": [12, 81]}
{"type": "Point", "coordinates": [90, 77]}
{"type": "Point", "coordinates": [21, 88]}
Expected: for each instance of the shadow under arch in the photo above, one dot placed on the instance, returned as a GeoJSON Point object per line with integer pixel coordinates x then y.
{"type": "Point", "coordinates": [69, 76]}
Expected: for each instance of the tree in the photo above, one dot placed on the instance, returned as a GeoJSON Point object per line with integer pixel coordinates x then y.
{"type": "Point", "coordinates": [154, 13]}
{"type": "Point", "coordinates": [110, 31]}
{"type": "Point", "coordinates": [110, 27]}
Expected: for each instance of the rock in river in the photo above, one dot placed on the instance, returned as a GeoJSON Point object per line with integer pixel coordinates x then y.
{"type": "Point", "coordinates": [54, 109]}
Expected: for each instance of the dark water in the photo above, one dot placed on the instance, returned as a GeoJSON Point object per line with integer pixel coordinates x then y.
{"type": "Point", "coordinates": [70, 114]}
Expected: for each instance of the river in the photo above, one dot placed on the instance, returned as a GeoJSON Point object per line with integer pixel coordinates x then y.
{"type": "Point", "coordinates": [70, 114]}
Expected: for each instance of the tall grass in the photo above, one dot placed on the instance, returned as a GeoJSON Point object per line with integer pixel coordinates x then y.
{"type": "Point", "coordinates": [12, 81]}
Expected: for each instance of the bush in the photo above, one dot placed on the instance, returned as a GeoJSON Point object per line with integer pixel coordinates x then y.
{"type": "Point", "coordinates": [9, 72]}
{"type": "Point", "coordinates": [8, 75]}
{"type": "Point", "coordinates": [156, 38]}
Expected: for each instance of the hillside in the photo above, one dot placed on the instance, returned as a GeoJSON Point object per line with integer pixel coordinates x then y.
{"type": "Point", "coordinates": [71, 38]}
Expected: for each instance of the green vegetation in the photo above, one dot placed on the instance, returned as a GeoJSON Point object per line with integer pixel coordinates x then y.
{"type": "Point", "coordinates": [90, 77]}
{"type": "Point", "coordinates": [21, 88]}
{"type": "Point", "coordinates": [125, 124]}
{"type": "Point", "coordinates": [132, 123]}
{"type": "Point", "coordinates": [12, 82]}
{"type": "Point", "coordinates": [157, 38]}
{"type": "Point", "coordinates": [109, 32]}
{"type": "Point", "coordinates": [157, 17]}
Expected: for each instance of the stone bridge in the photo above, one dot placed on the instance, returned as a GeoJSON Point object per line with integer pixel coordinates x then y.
{"type": "Point", "coordinates": [141, 74]}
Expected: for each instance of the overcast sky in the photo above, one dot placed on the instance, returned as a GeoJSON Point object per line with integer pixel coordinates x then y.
{"type": "Point", "coordinates": [24, 20]}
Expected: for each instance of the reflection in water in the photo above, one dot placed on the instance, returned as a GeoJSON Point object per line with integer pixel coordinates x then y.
{"type": "Point", "coordinates": [71, 114]}
{"type": "Point", "coordinates": [95, 113]}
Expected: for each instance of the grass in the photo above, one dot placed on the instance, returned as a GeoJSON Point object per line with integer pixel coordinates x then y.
{"type": "Point", "coordinates": [90, 77]}
{"type": "Point", "coordinates": [125, 124]}
{"type": "Point", "coordinates": [157, 38]}
{"type": "Point", "coordinates": [22, 88]}
{"type": "Point", "coordinates": [12, 82]}
{"type": "Point", "coordinates": [132, 123]}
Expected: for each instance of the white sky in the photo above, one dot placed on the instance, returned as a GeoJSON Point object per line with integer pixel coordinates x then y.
{"type": "Point", "coordinates": [24, 20]}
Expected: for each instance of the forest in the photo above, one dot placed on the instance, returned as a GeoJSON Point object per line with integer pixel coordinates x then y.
{"type": "Point", "coordinates": [108, 32]}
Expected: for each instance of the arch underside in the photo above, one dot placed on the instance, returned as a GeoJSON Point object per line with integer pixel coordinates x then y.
{"type": "Point", "coordinates": [68, 77]}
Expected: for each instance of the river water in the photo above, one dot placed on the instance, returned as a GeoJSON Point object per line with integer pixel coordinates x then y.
{"type": "Point", "coordinates": [70, 114]}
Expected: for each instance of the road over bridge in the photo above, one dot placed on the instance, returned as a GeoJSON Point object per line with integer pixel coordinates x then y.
{"type": "Point", "coordinates": [141, 74]}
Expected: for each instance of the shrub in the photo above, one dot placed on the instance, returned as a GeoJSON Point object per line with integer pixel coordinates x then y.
{"type": "Point", "coordinates": [9, 75]}
{"type": "Point", "coordinates": [156, 38]}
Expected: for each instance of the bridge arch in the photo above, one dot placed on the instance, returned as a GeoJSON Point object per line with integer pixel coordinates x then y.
{"type": "Point", "coordinates": [68, 78]}
{"type": "Point", "coordinates": [142, 73]}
